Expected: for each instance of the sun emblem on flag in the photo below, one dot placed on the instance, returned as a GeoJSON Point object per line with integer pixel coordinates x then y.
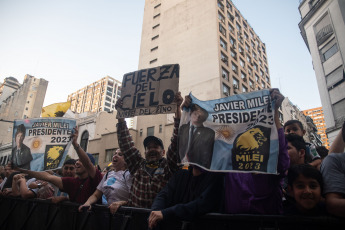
{"type": "Point", "coordinates": [36, 143]}
{"type": "Point", "coordinates": [224, 133]}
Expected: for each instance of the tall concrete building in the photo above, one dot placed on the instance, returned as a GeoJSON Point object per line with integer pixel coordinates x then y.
{"type": "Point", "coordinates": [9, 86]}
{"type": "Point", "coordinates": [98, 96]}
{"type": "Point", "coordinates": [218, 51]}
{"type": "Point", "coordinates": [319, 120]}
{"type": "Point", "coordinates": [25, 102]}
{"type": "Point", "coordinates": [323, 27]}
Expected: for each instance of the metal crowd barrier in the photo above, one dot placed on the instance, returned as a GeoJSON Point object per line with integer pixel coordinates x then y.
{"type": "Point", "coordinates": [41, 214]}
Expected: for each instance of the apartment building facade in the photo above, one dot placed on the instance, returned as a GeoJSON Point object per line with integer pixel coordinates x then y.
{"type": "Point", "coordinates": [99, 96]}
{"type": "Point", "coordinates": [9, 86]}
{"type": "Point", "coordinates": [322, 27]}
{"type": "Point", "coordinates": [319, 120]}
{"type": "Point", "coordinates": [218, 51]}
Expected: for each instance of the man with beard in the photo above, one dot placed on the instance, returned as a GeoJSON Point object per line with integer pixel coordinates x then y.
{"type": "Point", "coordinates": [87, 178]}
{"type": "Point", "coordinates": [150, 174]}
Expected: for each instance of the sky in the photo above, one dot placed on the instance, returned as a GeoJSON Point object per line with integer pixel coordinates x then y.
{"type": "Point", "coordinates": [72, 43]}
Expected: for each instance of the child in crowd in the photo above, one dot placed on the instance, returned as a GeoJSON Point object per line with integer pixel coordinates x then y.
{"type": "Point", "coordinates": [305, 186]}
{"type": "Point", "coordinates": [296, 127]}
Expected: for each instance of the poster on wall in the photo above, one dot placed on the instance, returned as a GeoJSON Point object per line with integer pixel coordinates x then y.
{"type": "Point", "coordinates": [41, 143]}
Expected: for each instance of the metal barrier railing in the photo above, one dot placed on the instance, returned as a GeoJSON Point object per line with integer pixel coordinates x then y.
{"type": "Point", "coordinates": [41, 214]}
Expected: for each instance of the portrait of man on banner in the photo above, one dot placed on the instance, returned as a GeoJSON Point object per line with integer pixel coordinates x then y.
{"type": "Point", "coordinates": [21, 154]}
{"type": "Point", "coordinates": [195, 140]}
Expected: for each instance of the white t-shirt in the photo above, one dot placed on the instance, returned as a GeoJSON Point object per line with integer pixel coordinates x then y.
{"type": "Point", "coordinates": [116, 185]}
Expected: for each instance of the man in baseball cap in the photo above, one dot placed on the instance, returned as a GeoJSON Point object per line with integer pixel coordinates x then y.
{"type": "Point", "coordinates": [150, 174]}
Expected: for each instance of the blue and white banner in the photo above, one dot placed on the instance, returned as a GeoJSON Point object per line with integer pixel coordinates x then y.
{"type": "Point", "coordinates": [235, 133]}
{"type": "Point", "coordinates": [42, 143]}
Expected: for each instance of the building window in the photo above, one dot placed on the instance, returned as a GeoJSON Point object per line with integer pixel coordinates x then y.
{"type": "Point", "coordinates": [223, 44]}
{"type": "Point", "coordinates": [157, 15]}
{"type": "Point", "coordinates": [245, 35]}
{"type": "Point", "coordinates": [151, 131]}
{"type": "Point", "coordinates": [234, 67]}
{"type": "Point", "coordinates": [156, 6]}
{"type": "Point", "coordinates": [109, 154]}
{"type": "Point", "coordinates": [237, 16]}
{"type": "Point", "coordinates": [141, 132]}
{"type": "Point", "coordinates": [222, 30]}
{"type": "Point", "coordinates": [266, 69]}
{"type": "Point", "coordinates": [248, 58]}
{"type": "Point", "coordinates": [238, 27]}
{"type": "Point", "coordinates": [255, 66]}
{"type": "Point", "coordinates": [226, 90]}
{"type": "Point", "coordinates": [256, 78]}
{"type": "Point", "coordinates": [96, 157]}
{"type": "Point", "coordinates": [244, 89]}
{"type": "Point", "coordinates": [220, 5]}
{"type": "Point", "coordinates": [224, 58]}
{"type": "Point", "coordinates": [241, 62]}
{"type": "Point", "coordinates": [251, 84]}
{"type": "Point", "coordinates": [228, 5]}
{"type": "Point", "coordinates": [243, 76]}
{"type": "Point", "coordinates": [155, 37]}
{"type": "Point", "coordinates": [247, 47]}
{"type": "Point", "coordinates": [160, 128]}
{"type": "Point", "coordinates": [233, 54]}
{"type": "Point", "coordinates": [250, 71]}
{"type": "Point", "coordinates": [235, 83]}
{"type": "Point", "coordinates": [154, 27]}
{"type": "Point", "coordinates": [244, 24]}
{"type": "Point", "coordinates": [240, 49]}
{"type": "Point", "coordinates": [225, 74]}
{"type": "Point", "coordinates": [233, 42]}
{"type": "Point", "coordinates": [263, 85]}
{"type": "Point", "coordinates": [84, 140]}
{"type": "Point", "coordinates": [221, 17]}
{"type": "Point", "coordinates": [231, 28]}
{"type": "Point", "coordinates": [329, 50]}
{"type": "Point", "coordinates": [231, 18]}
{"type": "Point", "coordinates": [261, 73]}
{"type": "Point", "coordinates": [254, 56]}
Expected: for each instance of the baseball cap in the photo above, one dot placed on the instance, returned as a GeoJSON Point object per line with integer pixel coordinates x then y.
{"type": "Point", "coordinates": [155, 139]}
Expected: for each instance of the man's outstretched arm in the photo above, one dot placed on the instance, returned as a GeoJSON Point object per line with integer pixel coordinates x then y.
{"type": "Point", "coordinates": [83, 157]}
{"type": "Point", "coordinates": [57, 181]}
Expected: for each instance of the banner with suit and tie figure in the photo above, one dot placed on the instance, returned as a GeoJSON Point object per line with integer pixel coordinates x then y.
{"type": "Point", "coordinates": [41, 143]}
{"type": "Point", "coordinates": [235, 133]}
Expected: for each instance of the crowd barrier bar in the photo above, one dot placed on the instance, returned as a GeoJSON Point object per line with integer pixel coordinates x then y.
{"type": "Point", "coordinates": [39, 214]}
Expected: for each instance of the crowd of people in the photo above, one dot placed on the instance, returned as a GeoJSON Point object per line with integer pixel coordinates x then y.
{"type": "Point", "coordinates": [310, 181]}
